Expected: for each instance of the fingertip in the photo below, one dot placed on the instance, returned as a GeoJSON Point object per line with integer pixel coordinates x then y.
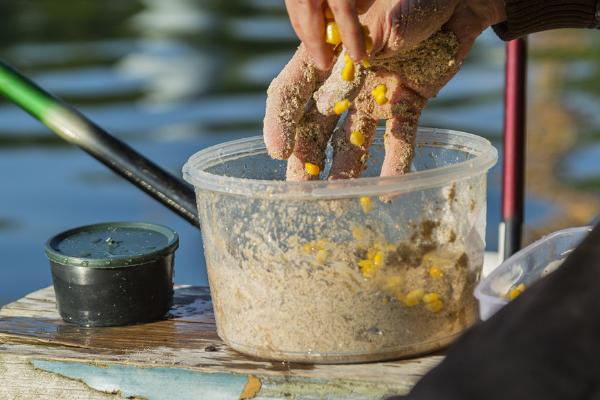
{"type": "Point", "coordinates": [279, 145]}
{"type": "Point", "coordinates": [357, 54]}
{"type": "Point", "coordinates": [350, 28]}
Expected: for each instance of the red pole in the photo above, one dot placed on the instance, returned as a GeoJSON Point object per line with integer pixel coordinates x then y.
{"type": "Point", "coordinates": [513, 174]}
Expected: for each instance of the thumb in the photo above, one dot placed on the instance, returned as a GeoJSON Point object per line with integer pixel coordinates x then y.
{"type": "Point", "coordinates": [413, 21]}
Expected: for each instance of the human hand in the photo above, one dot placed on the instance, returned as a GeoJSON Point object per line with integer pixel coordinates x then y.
{"type": "Point", "coordinates": [418, 45]}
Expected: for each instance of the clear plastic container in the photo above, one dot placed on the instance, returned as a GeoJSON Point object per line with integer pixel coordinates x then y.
{"type": "Point", "coordinates": [525, 267]}
{"type": "Point", "coordinates": [325, 271]}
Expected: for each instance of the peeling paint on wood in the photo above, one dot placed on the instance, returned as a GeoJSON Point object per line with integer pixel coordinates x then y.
{"type": "Point", "coordinates": [150, 383]}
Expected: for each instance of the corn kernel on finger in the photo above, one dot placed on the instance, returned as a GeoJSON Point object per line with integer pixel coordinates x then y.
{"type": "Point", "coordinates": [357, 138]}
{"type": "Point", "coordinates": [348, 72]}
{"type": "Point", "coordinates": [332, 34]}
{"type": "Point", "coordinates": [341, 106]}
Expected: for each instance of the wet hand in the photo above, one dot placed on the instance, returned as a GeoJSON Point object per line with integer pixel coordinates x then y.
{"type": "Point", "coordinates": [414, 48]}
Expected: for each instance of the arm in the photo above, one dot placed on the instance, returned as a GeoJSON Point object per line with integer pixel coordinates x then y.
{"type": "Point", "coordinates": [530, 16]}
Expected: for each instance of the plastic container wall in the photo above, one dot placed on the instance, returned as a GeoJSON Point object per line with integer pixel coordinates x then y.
{"type": "Point", "coordinates": [343, 271]}
{"type": "Point", "coordinates": [526, 267]}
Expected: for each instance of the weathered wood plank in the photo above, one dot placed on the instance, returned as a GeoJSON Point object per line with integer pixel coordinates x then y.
{"type": "Point", "coordinates": [31, 329]}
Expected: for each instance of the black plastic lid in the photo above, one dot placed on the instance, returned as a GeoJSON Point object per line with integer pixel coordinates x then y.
{"type": "Point", "coordinates": [112, 244]}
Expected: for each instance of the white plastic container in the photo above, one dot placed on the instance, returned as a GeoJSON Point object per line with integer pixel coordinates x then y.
{"type": "Point", "coordinates": [525, 267]}
{"type": "Point", "coordinates": [303, 271]}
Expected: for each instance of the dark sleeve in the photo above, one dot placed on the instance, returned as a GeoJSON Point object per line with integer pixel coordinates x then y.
{"type": "Point", "coordinates": [530, 16]}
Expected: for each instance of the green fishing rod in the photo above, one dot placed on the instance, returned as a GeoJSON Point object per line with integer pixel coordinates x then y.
{"type": "Point", "coordinates": [75, 128]}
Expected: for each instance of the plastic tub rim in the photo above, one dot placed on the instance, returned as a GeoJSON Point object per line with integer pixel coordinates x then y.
{"type": "Point", "coordinates": [495, 301]}
{"type": "Point", "coordinates": [115, 262]}
{"type": "Point", "coordinates": [485, 156]}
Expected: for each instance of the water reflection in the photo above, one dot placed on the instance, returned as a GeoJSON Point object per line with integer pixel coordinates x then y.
{"type": "Point", "coordinates": [172, 77]}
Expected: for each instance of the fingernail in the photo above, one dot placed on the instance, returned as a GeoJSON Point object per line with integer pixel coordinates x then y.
{"type": "Point", "coordinates": [355, 57]}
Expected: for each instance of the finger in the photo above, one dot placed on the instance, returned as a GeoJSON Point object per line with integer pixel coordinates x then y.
{"type": "Point", "coordinates": [346, 17]}
{"type": "Point", "coordinates": [286, 99]}
{"type": "Point", "coordinates": [415, 21]}
{"type": "Point", "coordinates": [312, 135]}
{"type": "Point", "coordinates": [399, 142]}
{"type": "Point", "coordinates": [336, 88]}
{"type": "Point", "coordinates": [465, 33]}
{"type": "Point", "coordinates": [309, 23]}
{"type": "Point", "coordinates": [350, 145]}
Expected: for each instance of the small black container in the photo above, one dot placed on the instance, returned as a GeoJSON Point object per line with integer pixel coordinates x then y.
{"type": "Point", "coordinates": [116, 273]}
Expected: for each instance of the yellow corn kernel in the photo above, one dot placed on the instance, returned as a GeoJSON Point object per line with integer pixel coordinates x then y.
{"type": "Point", "coordinates": [414, 297]}
{"type": "Point", "coordinates": [516, 291]}
{"type": "Point", "coordinates": [393, 282]}
{"type": "Point", "coordinates": [332, 34]}
{"type": "Point", "coordinates": [321, 256]}
{"type": "Point", "coordinates": [358, 233]}
{"type": "Point", "coordinates": [365, 63]}
{"type": "Point", "coordinates": [379, 94]}
{"type": "Point", "coordinates": [435, 306]}
{"type": "Point", "coordinates": [366, 204]}
{"type": "Point", "coordinates": [357, 138]}
{"type": "Point", "coordinates": [328, 13]}
{"type": "Point", "coordinates": [367, 268]}
{"type": "Point", "coordinates": [312, 169]}
{"type": "Point", "coordinates": [381, 99]}
{"type": "Point", "coordinates": [341, 106]}
{"type": "Point", "coordinates": [378, 259]}
{"type": "Point", "coordinates": [380, 89]}
{"type": "Point", "coordinates": [348, 72]}
{"type": "Point", "coordinates": [431, 298]}
{"type": "Point", "coordinates": [435, 273]}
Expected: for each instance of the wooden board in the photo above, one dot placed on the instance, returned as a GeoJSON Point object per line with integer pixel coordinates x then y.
{"type": "Point", "coordinates": [179, 358]}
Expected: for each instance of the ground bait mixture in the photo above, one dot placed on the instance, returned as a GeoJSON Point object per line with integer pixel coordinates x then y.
{"type": "Point", "coordinates": [328, 281]}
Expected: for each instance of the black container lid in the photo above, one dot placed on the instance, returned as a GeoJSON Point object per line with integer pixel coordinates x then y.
{"type": "Point", "coordinates": [112, 244]}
